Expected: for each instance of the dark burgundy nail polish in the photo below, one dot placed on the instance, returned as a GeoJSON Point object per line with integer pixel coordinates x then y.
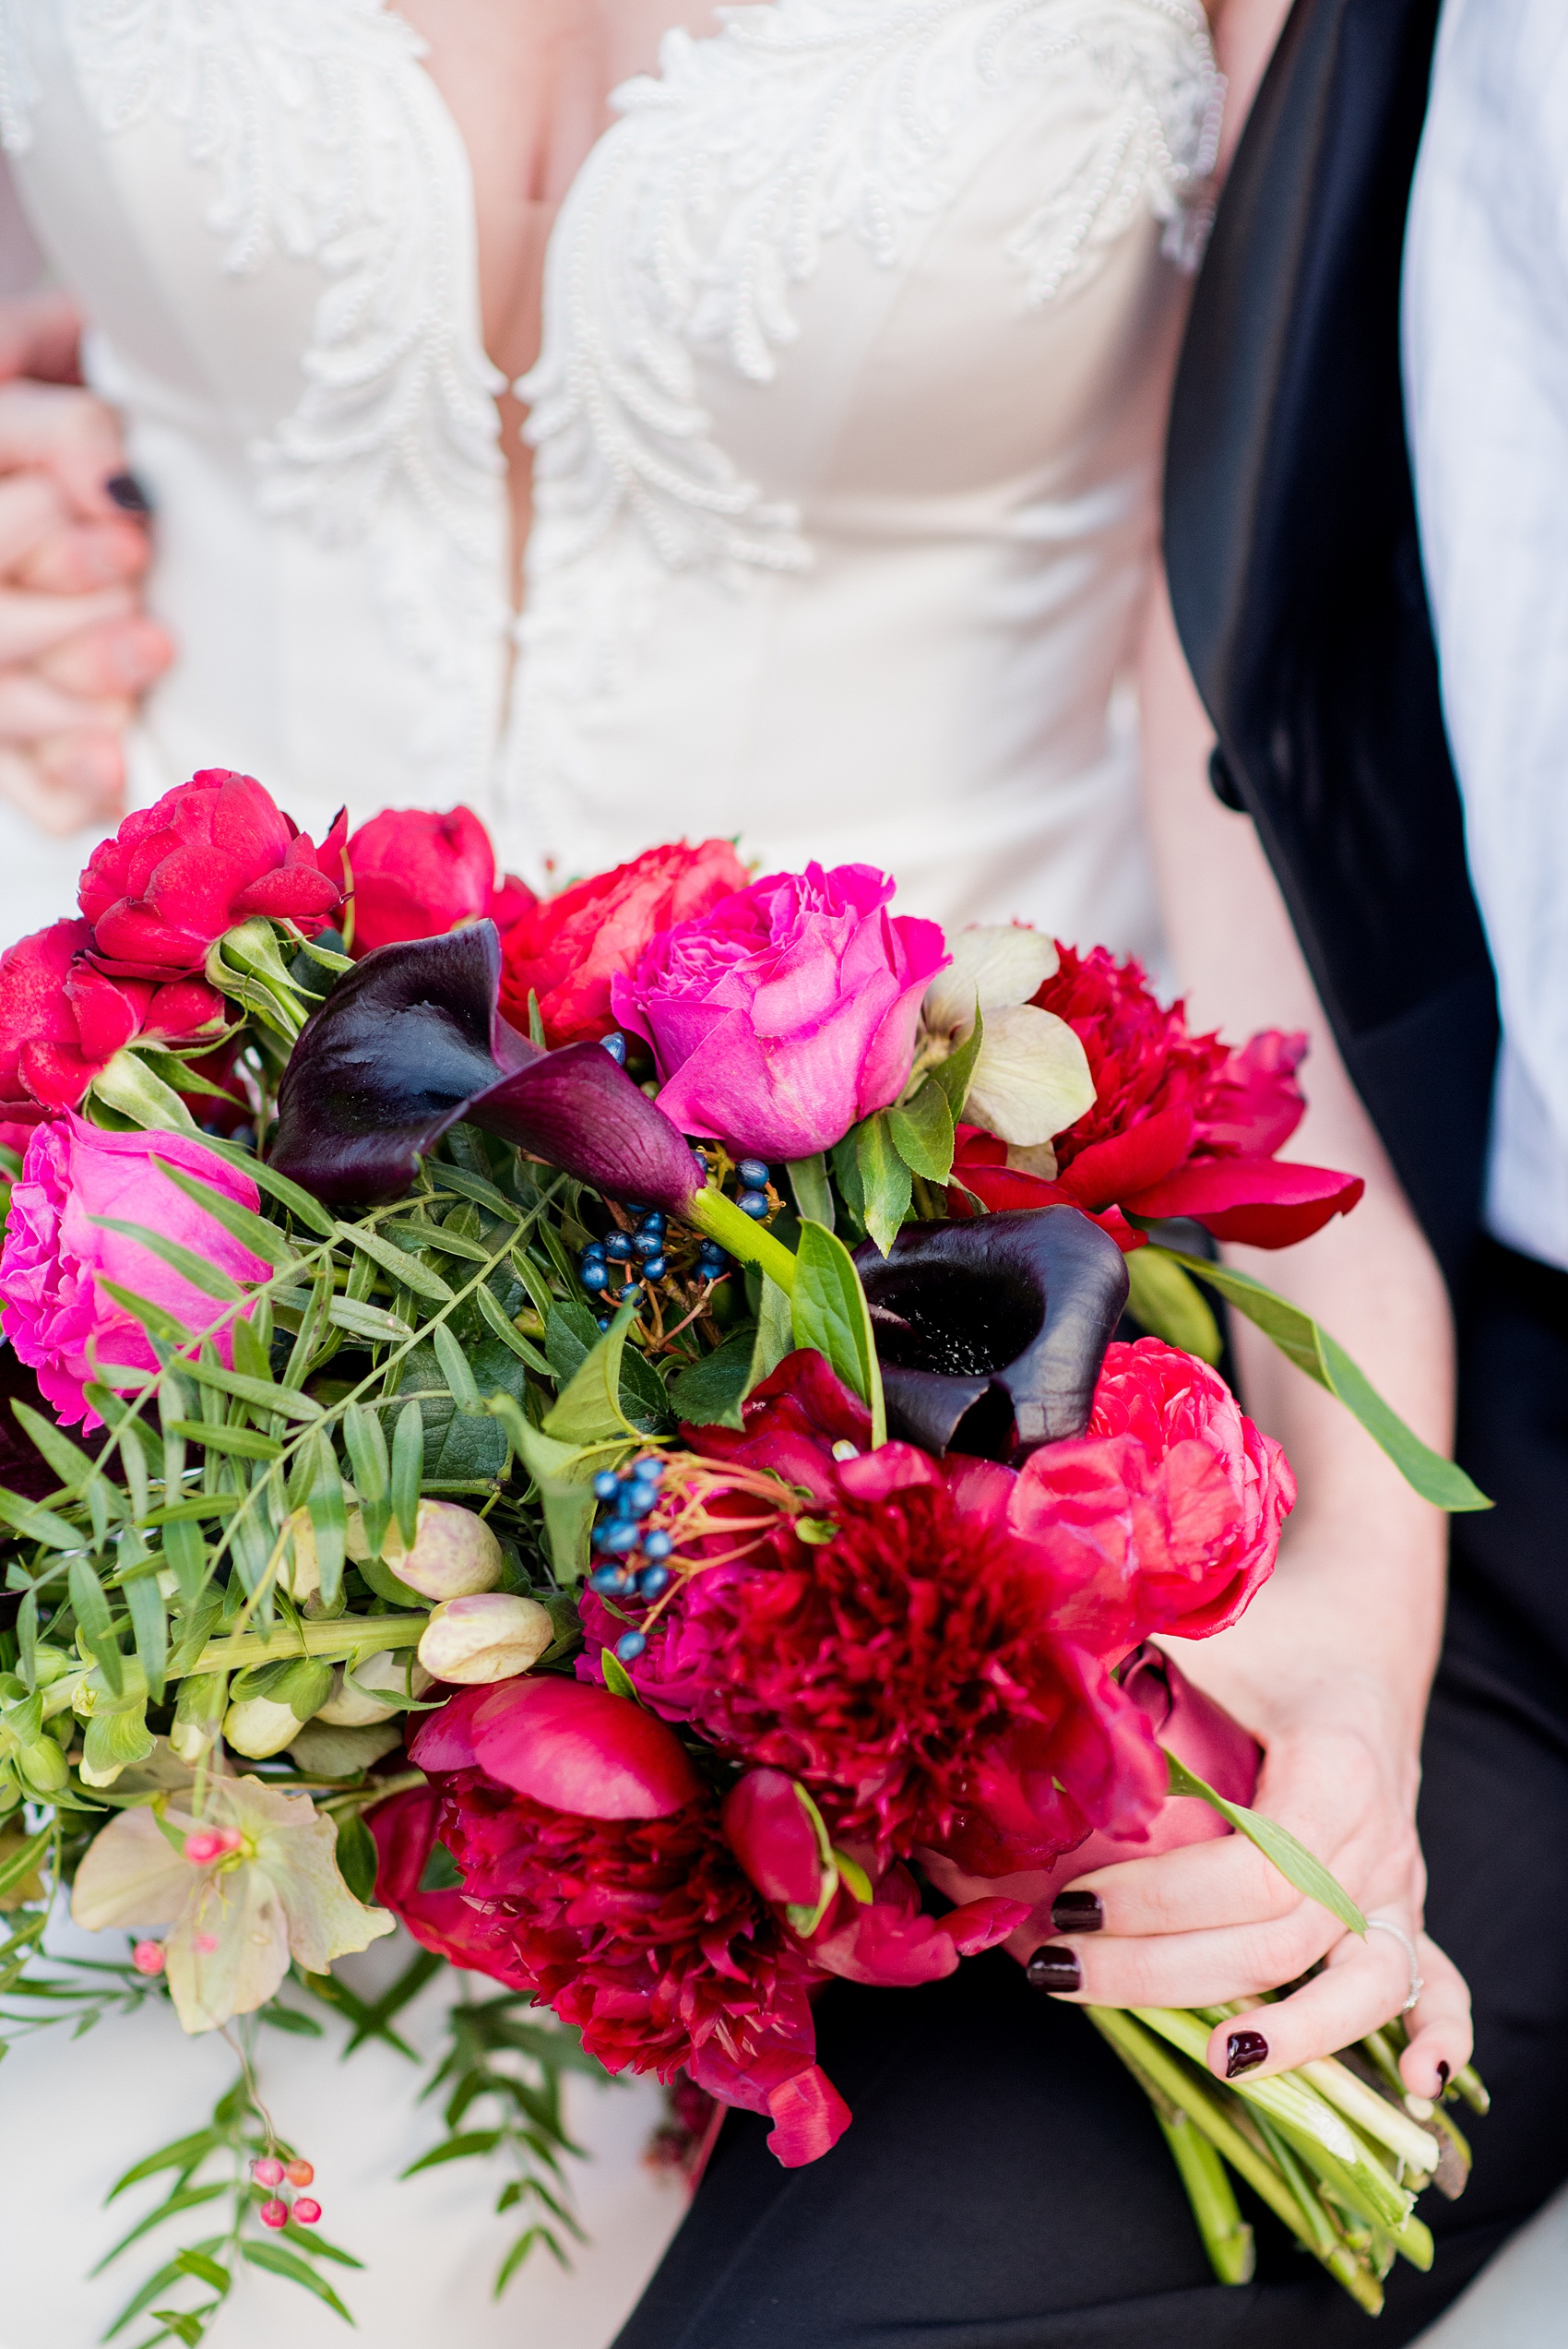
{"type": "Point", "coordinates": [1244, 2050]}
{"type": "Point", "coordinates": [1442, 2075]}
{"type": "Point", "coordinates": [1077, 1913]}
{"type": "Point", "coordinates": [1054, 1967]}
{"type": "Point", "coordinates": [129, 493]}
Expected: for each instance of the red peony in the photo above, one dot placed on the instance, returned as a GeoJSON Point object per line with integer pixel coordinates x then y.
{"type": "Point", "coordinates": [418, 874]}
{"type": "Point", "coordinates": [643, 1933]}
{"type": "Point", "coordinates": [1171, 1493]}
{"type": "Point", "coordinates": [1179, 1126]}
{"type": "Point", "coordinates": [910, 1671]}
{"type": "Point", "coordinates": [61, 1020]}
{"type": "Point", "coordinates": [212, 852]}
{"type": "Point", "coordinates": [566, 949]}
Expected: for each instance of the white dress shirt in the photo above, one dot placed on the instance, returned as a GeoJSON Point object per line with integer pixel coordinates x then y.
{"type": "Point", "coordinates": [1486, 376]}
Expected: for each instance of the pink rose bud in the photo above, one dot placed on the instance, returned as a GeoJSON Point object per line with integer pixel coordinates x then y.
{"type": "Point", "coordinates": [267, 2171]}
{"type": "Point", "coordinates": [417, 875]}
{"type": "Point", "coordinates": [493, 1635]}
{"type": "Point", "coordinates": [148, 1957]}
{"type": "Point", "coordinates": [455, 1555]}
{"type": "Point", "coordinates": [803, 994]}
{"type": "Point", "coordinates": [274, 2213]}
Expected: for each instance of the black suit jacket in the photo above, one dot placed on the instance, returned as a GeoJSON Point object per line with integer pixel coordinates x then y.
{"type": "Point", "coordinates": [1296, 579]}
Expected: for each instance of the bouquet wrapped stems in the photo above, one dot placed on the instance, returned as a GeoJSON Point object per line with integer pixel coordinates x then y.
{"type": "Point", "coordinates": [1332, 2150]}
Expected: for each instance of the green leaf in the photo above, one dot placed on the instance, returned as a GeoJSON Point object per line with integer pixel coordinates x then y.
{"type": "Point", "coordinates": [1276, 1844]}
{"type": "Point", "coordinates": [922, 1132]}
{"type": "Point", "coordinates": [1165, 1301]}
{"type": "Point", "coordinates": [847, 1173]}
{"type": "Point", "coordinates": [38, 1524]}
{"type": "Point", "coordinates": [154, 1319]}
{"type": "Point", "coordinates": [150, 1623]}
{"type": "Point", "coordinates": [21, 1863]}
{"type": "Point", "coordinates": [113, 1741]}
{"type": "Point", "coordinates": [475, 1188]}
{"type": "Point", "coordinates": [300, 1204]}
{"type": "Point", "coordinates": [238, 1443]}
{"type": "Point", "coordinates": [407, 1271]}
{"type": "Point", "coordinates": [184, 2198]}
{"type": "Point", "coordinates": [885, 1180]}
{"type": "Point", "coordinates": [370, 1321]}
{"type": "Point", "coordinates": [184, 2153]}
{"type": "Point", "coordinates": [565, 1474]}
{"type": "Point", "coordinates": [367, 1451]}
{"type": "Point", "coordinates": [617, 1679]}
{"type": "Point", "coordinates": [407, 1470]}
{"type": "Point", "coordinates": [708, 1393]}
{"type": "Point", "coordinates": [329, 1524]}
{"type": "Point", "coordinates": [195, 1269]}
{"type": "Point", "coordinates": [206, 2271]}
{"type": "Point", "coordinates": [455, 1369]}
{"type": "Point", "coordinates": [70, 1463]}
{"type": "Point", "coordinates": [509, 1335]}
{"type": "Point", "coordinates": [952, 1074]}
{"type": "Point", "coordinates": [813, 1191]}
{"type": "Point", "coordinates": [96, 1621]}
{"type": "Point", "coordinates": [357, 1856]}
{"type": "Point", "coordinates": [588, 1408]}
{"type": "Point", "coordinates": [258, 1392]}
{"type": "Point", "coordinates": [455, 2149]}
{"type": "Point", "coordinates": [571, 1333]}
{"type": "Point", "coordinates": [831, 1314]}
{"type": "Point", "coordinates": [127, 1084]}
{"type": "Point", "coordinates": [279, 2261]}
{"type": "Point", "coordinates": [1299, 1338]}
{"type": "Point", "coordinates": [241, 1222]}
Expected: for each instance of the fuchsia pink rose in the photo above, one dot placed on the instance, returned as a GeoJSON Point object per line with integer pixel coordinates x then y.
{"type": "Point", "coordinates": [787, 1011]}
{"type": "Point", "coordinates": [61, 1020]}
{"type": "Point", "coordinates": [211, 854]}
{"type": "Point", "coordinates": [418, 874]}
{"type": "Point", "coordinates": [56, 1255]}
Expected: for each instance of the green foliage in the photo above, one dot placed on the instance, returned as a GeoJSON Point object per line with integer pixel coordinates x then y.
{"type": "Point", "coordinates": [1276, 1844]}
{"type": "Point", "coordinates": [831, 1314]}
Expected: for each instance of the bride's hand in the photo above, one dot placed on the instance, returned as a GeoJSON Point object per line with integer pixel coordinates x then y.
{"type": "Point", "coordinates": [76, 650]}
{"type": "Point", "coordinates": [1212, 1922]}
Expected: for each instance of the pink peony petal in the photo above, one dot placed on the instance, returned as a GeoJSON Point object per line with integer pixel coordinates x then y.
{"type": "Point", "coordinates": [581, 1749]}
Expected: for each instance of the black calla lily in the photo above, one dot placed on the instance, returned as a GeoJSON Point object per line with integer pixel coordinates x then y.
{"type": "Point", "coordinates": [410, 1040]}
{"type": "Point", "coordinates": [990, 1332]}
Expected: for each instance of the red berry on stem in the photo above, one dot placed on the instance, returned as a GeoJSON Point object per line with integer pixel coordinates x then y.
{"type": "Point", "coordinates": [267, 2172]}
{"type": "Point", "coordinates": [300, 2174]}
{"type": "Point", "coordinates": [306, 2209]}
{"type": "Point", "coordinates": [275, 2214]}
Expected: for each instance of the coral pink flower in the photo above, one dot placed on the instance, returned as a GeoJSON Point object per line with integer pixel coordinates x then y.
{"type": "Point", "coordinates": [418, 874]}
{"type": "Point", "coordinates": [212, 852]}
{"type": "Point", "coordinates": [1179, 1124]}
{"type": "Point", "coordinates": [787, 1011]}
{"type": "Point", "coordinates": [61, 1020]}
{"type": "Point", "coordinates": [567, 950]}
{"type": "Point", "coordinates": [57, 1315]}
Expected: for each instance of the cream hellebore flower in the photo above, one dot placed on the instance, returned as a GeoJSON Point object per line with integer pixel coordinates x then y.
{"type": "Point", "coordinates": [455, 1552]}
{"type": "Point", "coordinates": [1031, 1079]}
{"type": "Point", "coordinates": [261, 1886]}
{"type": "Point", "coordinates": [491, 1636]}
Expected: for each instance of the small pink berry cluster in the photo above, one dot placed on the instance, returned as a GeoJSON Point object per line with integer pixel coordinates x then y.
{"type": "Point", "coordinates": [271, 2173]}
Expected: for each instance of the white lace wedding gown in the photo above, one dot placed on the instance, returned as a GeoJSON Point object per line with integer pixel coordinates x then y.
{"type": "Point", "coordinates": [858, 334]}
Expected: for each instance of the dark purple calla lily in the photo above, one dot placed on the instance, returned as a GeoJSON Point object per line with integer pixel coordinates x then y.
{"type": "Point", "coordinates": [410, 1040]}
{"type": "Point", "coordinates": [990, 1334]}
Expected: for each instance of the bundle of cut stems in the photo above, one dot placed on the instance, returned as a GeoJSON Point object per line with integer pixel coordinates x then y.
{"type": "Point", "coordinates": [1337, 2150]}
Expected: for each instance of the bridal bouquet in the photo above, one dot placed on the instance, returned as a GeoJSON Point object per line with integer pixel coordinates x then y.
{"type": "Point", "coordinates": [598, 1428]}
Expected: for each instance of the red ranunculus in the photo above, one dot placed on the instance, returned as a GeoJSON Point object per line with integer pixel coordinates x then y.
{"type": "Point", "coordinates": [1180, 1126]}
{"type": "Point", "coordinates": [566, 949]}
{"type": "Point", "coordinates": [418, 874]}
{"type": "Point", "coordinates": [212, 852]}
{"type": "Point", "coordinates": [643, 1932]}
{"type": "Point", "coordinates": [61, 1020]}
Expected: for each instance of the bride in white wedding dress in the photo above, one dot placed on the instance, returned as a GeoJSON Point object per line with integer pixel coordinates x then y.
{"type": "Point", "coordinates": [839, 502]}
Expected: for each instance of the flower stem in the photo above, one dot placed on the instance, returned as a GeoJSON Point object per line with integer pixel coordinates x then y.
{"type": "Point", "coordinates": [713, 1211]}
{"type": "Point", "coordinates": [1227, 2238]}
{"type": "Point", "coordinates": [348, 1635]}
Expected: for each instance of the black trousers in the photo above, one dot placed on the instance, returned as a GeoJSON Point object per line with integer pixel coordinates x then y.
{"type": "Point", "coordinates": [1004, 2184]}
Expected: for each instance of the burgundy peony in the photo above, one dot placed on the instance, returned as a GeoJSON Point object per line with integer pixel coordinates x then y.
{"type": "Point", "coordinates": [907, 1671]}
{"type": "Point", "coordinates": [787, 1012]}
{"type": "Point", "coordinates": [61, 1020]}
{"type": "Point", "coordinates": [57, 1316]}
{"type": "Point", "coordinates": [417, 875]}
{"type": "Point", "coordinates": [212, 852]}
{"type": "Point", "coordinates": [643, 1932]}
{"type": "Point", "coordinates": [1179, 1126]}
{"type": "Point", "coordinates": [567, 950]}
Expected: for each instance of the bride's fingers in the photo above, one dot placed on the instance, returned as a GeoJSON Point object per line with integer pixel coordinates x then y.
{"type": "Point", "coordinates": [1186, 1969]}
{"type": "Point", "coordinates": [31, 707]}
{"type": "Point", "coordinates": [122, 658]}
{"type": "Point", "coordinates": [67, 433]}
{"type": "Point", "coordinates": [1441, 2036]}
{"type": "Point", "coordinates": [66, 784]}
{"type": "Point", "coordinates": [32, 511]}
{"type": "Point", "coordinates": [1223, 1882]}
{"type": "Point", "coordinates": [32, 626]}
{"type": "Point", "coordinates": [1365, 1984]}
{"type": "Point", "coordinates": [83, 555]}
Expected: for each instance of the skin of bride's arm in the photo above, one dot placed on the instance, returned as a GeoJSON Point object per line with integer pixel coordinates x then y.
{"type": "Point", "coordinates": [1332, 1664]}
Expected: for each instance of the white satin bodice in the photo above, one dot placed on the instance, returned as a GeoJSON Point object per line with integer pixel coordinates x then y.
{"type": "Point", "coordinates": [858, 339]}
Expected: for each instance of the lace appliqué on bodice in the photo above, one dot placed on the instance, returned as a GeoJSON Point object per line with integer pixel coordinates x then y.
{"type": "Point", "coordinates": [695, 221]}
{"type": "Point", "coordinates": [328, 143]}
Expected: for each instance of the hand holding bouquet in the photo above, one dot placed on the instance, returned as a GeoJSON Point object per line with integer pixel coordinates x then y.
{"type": "Point", "coordinates": [660, 1347]}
